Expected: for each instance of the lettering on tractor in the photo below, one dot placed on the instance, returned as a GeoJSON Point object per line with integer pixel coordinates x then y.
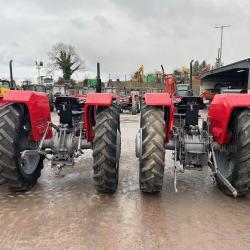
{"type": "Point", "coordinates": [28, 136]}
{"type": "Point", "coordinates": [221, 142]}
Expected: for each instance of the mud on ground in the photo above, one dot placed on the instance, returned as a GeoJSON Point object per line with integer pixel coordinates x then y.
{"type": "Point", "coordinates": [66, 213]}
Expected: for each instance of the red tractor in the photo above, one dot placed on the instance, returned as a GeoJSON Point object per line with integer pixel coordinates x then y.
{"type": "Point", "coordinates": [130, 101]}
{"type": "Point", "coordinates": [28, 136]}
{"type": "Point", "coordinates": [222, 142]}
{"type": "Point", "coordinates": [136, 101]}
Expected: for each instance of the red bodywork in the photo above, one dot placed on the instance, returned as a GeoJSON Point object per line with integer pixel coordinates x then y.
{"type": "Point", "coordinates": [170, 85]}
{"type": "Point", "coordinates": [220, 113]}
{"type": "Point", "coordinates": [39, 111]}
{"type": "Point", "coordinates": [79, 96]}
{"type": "Point", "coordinates": [124, 100]}
{"type": "Point", "coordinates": [207, 96]}
{"type": "Point", "coordinates": [162, 99]}
{"type": "Point", "coordinates": [177, 98]}
{"type": "Point", "coordinates": [37, 104]}
{"type": "Point", "coordinates": [94, 100]}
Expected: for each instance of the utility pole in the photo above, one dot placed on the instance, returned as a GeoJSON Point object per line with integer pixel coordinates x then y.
{"type": "Point", "coordinates": [218, 61]}
{"type": "Point", "coordinates": [39, 66]}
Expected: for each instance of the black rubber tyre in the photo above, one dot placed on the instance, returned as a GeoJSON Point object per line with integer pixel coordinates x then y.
{"type": "Point", "coordinates": [105, 149]}
{"type": "Point", "coordinates": [152, 162]}
{"type": "Point", "coordinates": [239, 162]}
{"type": "Point", "coordinates": [138, 105]}
{"type": "Point", "coordinates": [2, 180]}
{"type": "Point", "coordinates": [11, 130]}
{"type": "Point", "coordinates": [134, 108]}
{"type": "Point", "coordinates": [51, 107]}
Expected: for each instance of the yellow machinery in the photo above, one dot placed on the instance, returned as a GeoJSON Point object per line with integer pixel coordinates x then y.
{"type": "Point", "coordinates": [184, 70]}
{"type": "Point", "coordinates": [139, 74]}
{"type": "Point", "coordinates": [4, 87]}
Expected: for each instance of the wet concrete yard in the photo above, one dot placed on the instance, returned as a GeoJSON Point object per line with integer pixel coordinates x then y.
{"type": "Point", "coordinates": [65, 212]}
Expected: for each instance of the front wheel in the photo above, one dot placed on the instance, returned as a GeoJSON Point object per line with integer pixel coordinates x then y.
{"type": "Point", "coordinates": [106, 148]}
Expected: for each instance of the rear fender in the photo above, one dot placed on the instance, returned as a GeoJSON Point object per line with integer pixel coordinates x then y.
{"type": "Point", "coordinates": [99, 99]}
{"type": "Point", "coordinates": [37, 105]}
{"type": "Point", "coordinates": [163, 100]}
{"type": "Point", "coordinates": [93, 101]}
{"type": "Point", "coordinates": [221, 112]}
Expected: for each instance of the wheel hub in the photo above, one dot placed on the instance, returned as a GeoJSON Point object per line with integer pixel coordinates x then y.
{"type": "Point", "coordinates": [29, 163]}
{"type": "Point", "coordinates": [225, 164]}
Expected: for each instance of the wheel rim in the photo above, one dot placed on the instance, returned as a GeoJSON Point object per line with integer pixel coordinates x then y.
{"type": "Point", "coordinates": [29, 164]}
{"type": "Point", "coordinates": [224, 163]}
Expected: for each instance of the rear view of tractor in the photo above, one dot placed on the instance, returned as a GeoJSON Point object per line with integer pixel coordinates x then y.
{"type": "Point", "coordinates": [130, 101]}
{"type": "Point", "coordinates": [28, 136]}
{"type": "Point", "coordinates": [222, 142]}
{"type": "Point", "coordinates": [136, 101]}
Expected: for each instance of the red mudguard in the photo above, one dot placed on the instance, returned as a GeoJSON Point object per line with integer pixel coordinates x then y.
{"type": "Point", "coordinates": [94, 100]}
{"type": "Point", "coordinates": [162, 99]}
{"type": "Point", "coordinates": [38, 107]}
{"type": "Point", "coordinates": [99, 99]}
{"type": "Point", "coordinates": [220, 113]}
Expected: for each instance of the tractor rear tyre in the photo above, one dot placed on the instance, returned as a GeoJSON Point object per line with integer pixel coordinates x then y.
{"type": "Point", "coordinates": [2, 180]}
{"type": "Point", "coordinates": [20, 175]}
{"type": "Point", "coordinates": [152, 162]}
{"type": "Point", "coordinates": [106, 148]}
{"type": "Point", "coordinates": [236, 166]}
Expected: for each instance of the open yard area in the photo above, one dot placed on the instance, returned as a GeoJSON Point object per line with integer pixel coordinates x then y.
{"type": "Point", "coordinates": [65, 212]}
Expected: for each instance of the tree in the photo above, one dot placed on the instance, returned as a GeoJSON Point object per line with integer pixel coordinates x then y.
{"type": "Point", "coordinates": [64, 57]}
{"type": "Point", "coordinates": [203, 65]}
{"type": "Point", "coordinates": [196, 68]}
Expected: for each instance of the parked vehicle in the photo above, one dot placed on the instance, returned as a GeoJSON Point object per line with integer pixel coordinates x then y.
{"type": "Point", "coordinates": [31, 136]}
{"type": "Point", "coordinates": [222, 142]}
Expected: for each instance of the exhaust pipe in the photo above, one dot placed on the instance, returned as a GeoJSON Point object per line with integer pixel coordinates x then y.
{"type": "Point", "coordinates": [98, 80]}
{"type": "Point", "coordinates": [11, 75]}
{"type": "Point", "coordinates": [163, 71]}
{"type": "Point", "coordinates": [191, 74]}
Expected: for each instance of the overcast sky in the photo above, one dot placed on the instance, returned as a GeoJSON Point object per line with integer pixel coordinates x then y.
{"type": "Point", "coordinates": [122, 34]}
